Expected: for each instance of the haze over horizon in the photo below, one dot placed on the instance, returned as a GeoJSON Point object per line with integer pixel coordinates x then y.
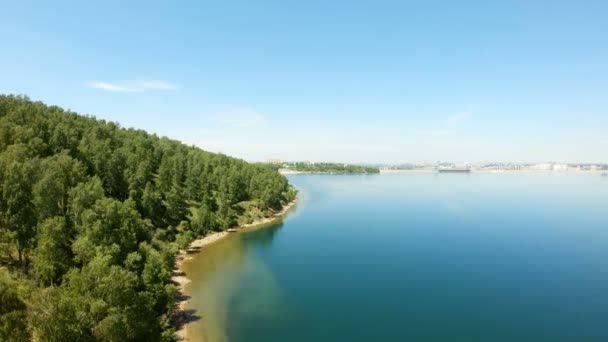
{"type": "Point", "coordinates": [359, 82]}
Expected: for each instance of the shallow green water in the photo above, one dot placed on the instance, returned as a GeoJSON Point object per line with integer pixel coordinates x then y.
{"type": "Point", "coordinates": [419, 257]}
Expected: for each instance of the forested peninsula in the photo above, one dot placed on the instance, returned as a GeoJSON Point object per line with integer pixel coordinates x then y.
{"type": "Point", "coordinates": [334, 168]}
{"type": "Point", "coordinates": [92, 215]}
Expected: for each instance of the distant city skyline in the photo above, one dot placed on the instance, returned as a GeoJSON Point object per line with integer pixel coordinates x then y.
{"type": "Point", "coordinates": [342, 81]}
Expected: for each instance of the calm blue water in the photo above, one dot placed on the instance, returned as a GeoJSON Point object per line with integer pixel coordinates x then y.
{"type": "Point", "coordinates": [420, 257]}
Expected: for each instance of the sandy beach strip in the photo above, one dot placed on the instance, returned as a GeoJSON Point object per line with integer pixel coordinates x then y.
{"type": "Point", "coordinates": [183, 255]}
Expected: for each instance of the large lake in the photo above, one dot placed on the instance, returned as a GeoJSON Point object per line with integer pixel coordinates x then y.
{"type": "Point", "coordinates": [418, 257]}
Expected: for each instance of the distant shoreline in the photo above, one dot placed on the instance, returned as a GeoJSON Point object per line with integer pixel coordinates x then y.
{"type": "Point", "coordinates": [180, 278]}
{"type": "Point", "coordinates": [428, 171]}
{"type": "Point", "coordinates": [387, 171]}
{"type": "Point", "coordinates": [294, 172]}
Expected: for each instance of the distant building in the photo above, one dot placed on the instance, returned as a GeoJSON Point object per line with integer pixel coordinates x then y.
{"type": "Point", "coordinates": [560, 167]}
{"type": "Point", "coordinates": [275, 161]}
{"type": "Point", "coordinates": [542, 166]}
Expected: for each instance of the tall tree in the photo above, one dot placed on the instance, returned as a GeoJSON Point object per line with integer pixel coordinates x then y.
{"type": "Point", "coordinates": [52, 256]}
{"type": "Point", "coordinates": [18, 213]}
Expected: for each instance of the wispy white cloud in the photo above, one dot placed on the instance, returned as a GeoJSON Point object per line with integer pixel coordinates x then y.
{"type": "Point", "coordinates": [133, 87]}
{"type": "Point", "coordinates": [109, 86]}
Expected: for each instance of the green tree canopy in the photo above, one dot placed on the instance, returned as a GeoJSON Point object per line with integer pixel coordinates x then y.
{"type": "Point", "coordinates": [95, 213]}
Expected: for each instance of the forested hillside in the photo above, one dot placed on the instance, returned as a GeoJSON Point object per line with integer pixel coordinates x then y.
{"type": "Point", "coordinates": [92, 214]}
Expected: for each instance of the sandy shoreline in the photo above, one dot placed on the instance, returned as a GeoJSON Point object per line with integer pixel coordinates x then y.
{"type": "Point", "coordinates": [183, 255]}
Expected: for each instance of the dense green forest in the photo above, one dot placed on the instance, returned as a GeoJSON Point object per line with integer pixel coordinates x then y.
{"type": "Point", "coordinates": [331, 168]}
{"type": "Point", "coordinates": [92, 215]}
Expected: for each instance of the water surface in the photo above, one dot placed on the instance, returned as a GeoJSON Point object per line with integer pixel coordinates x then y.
{"type": "Point", "coordinates": [421, 257]}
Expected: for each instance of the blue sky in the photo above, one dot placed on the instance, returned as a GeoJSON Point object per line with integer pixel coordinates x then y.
{"type": "Point", "coordinates": [348, 81]}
